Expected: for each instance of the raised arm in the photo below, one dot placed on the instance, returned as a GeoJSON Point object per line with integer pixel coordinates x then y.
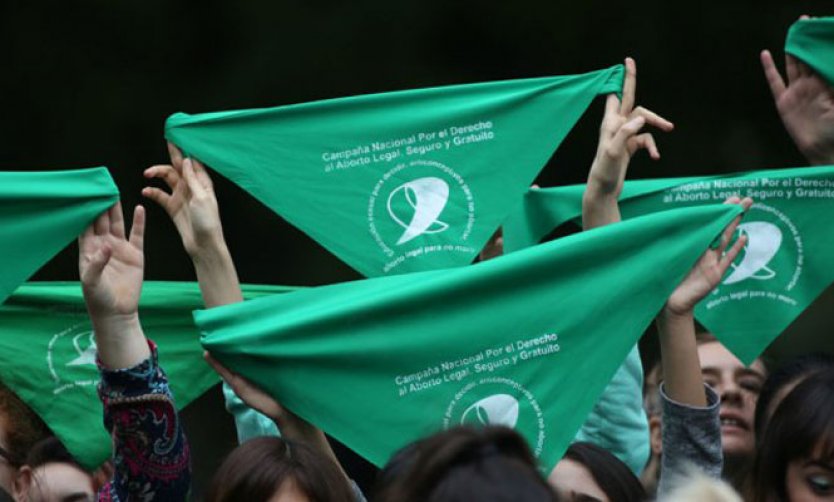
{"type": "Point", "coordinates": [192, 206]}
{"type": "Point", "coordinates": [805, 105]}
{"type": "Point", "coordinates": [617, 422]}
{"type": "Point", "coordinates": [619, 139]}
{"type": "Point", "coordinates": [691, 431]}
{"type": "Point", "coordinates": [676, 322]}
{"type": "Point", "coordinates": [151, 456]}
{"type": "Point", "coordinates": [288, 422]}
{"type": "Point", "coordinates": [111, 267]}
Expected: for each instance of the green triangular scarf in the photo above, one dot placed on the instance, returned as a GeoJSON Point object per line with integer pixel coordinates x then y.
{"type": "Point", "coordinates": [528, 340]}
{"type": "Point", "coordinates": [41, 212]}
{"type": "Point", "coordinates": [787, 263]}
{"type": "Point", "coordinates": [812, 41]}
{"type": "Point", "coordinates": [46, 356]}
{"type": "Point", "coordinates": [402, 181]}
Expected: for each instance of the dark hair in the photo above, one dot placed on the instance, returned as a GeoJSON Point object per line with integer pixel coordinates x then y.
{"type": "Point", "coordinates": [22, 426]}
{"type": "Point", "coordinates": [610, 473]}
{"type": "Point", "coordinates": [255, 470]}
{"type": "Point", "coordinates": [801, 425]}
{"type": "Point", "coordinates": [50, 450]}
{"type": "Point", "coordinates": [788, 373]}
{"type": "Point", "coordinates": [464, 463]}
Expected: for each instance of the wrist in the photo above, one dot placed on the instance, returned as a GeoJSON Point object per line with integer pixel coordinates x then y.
{"type": "Point", "coordinates": [602, 189]}
{"type": "Point", "coordinates": [209, 248]}
{"type": "Point", "coordinates": [676, 313]}
{"type": "Point", "coordinates": [110, 325]}
{"type": "Point", "coordinates": [120, 342]}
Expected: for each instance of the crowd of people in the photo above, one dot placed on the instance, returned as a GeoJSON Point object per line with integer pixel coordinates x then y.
{"type": "Point", "coordinates": [716, 428]}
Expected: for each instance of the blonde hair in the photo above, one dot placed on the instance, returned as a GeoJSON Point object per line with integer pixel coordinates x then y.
{"type": "Point", "coordinates": [695, 486]}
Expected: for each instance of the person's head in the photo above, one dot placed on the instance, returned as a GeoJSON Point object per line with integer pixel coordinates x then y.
{"type": "Point", "coordinates": [278, 470]}
{"type": "Point", "coordinates": [590, 473]}
{"type": "Point", "coordinates": [795, 457]}
{"type": "Point", "coordinates": [51, 474]}
{"type": "Point", "coordinates": [738, 386]}
{"type": "Point", "coordinates": [20, 429]}
{"type": "Point", "coordinates": [779, 384]}
{"type": "Point", "coordinates": [464, 463]}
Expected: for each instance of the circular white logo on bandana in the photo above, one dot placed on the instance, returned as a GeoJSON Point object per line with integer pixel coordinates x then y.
{"type": "Point", "coordinates": [71, 358]}
{"type": "Point", "coordinates": [773, 252]}
{"type": "Point", "coordinates": [418, 208]}
{"type": "Point", "coordinates": [763, 242]}
{"type": "Point", "coordinates": [770, 264]}
{"type": "Point", "coordinates": [498, 401]}
{"type": "Point", "coordinates": [425, 199]}
{"type": "Point", "coordinates": [497, 409]}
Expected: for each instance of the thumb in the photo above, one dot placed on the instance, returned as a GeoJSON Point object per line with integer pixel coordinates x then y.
{"type": "Point", "coordinates": [94, 266]}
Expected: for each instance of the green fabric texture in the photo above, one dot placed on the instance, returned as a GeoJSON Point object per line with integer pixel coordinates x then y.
{"type": "Point", "coordinates": [397, 182]}
{"type": "Point", "coordinates": [787, 263]}
{"type": "Point", "coordinates": [527, 340]}
{"type": "Point", "coordinates": [812, 41]}
{"type": "Point", "coordinates": [43, 211]}
{"type": "Point", "coordinates": [47, 355]}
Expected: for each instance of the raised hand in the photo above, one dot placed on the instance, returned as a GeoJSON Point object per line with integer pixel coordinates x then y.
{"type": "Point", "coordinates": [191, 205]}
{"type": "Point", "coordinates": [676, 324]}
{"type": "Point", "coordinates": [806, 107]}
{"type": "Point", "coordinates": [619, 140]}
{"type": "Point", "coordinates": [111, 267]}
{"type": "Point", "coordinates": [710, 268]}
{"type": "Point", "coordinates": [290, 424]}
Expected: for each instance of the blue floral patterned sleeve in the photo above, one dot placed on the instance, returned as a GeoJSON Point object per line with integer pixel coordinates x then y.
{"type": "Point", "coordinates": [151, 458]}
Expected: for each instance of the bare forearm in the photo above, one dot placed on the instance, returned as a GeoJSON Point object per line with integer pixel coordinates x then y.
{"type": "Point", "coordinates": [120, 341]}
{"type": "Point", "coordinates": [294, 428]}
{"type": "Point", "coordinates": [679, 352]}
{"type": "Point", "coordinates": [599, 206]}
{"type": "Point", "coordinates": [315, 438]}
{"type": "Point", "coordinates": [216, 274]}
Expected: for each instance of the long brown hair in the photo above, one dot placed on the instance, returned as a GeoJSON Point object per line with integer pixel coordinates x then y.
{"type": "Point", "coordinates": [255, 470]}
{"type": "Point", "coordinates": [22, 426]}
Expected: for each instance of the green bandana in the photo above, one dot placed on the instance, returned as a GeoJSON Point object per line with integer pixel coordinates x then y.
{"type": "Point", "coordinates": [812, 41]}
{"type": "Point", "coordinates": [527, 340]}
{"type": "Point", "coordinates": [41, 212]}
{"type": "Point", "coordinates": [397, 182]}
{"type": "Point", "coordinates": [54, 371]}
{"type": "Point", "coordinates": [787, 263]}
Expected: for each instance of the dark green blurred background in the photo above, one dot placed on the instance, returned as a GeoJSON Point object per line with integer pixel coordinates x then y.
{"type": "Point", "coordinates": [88, 83]}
